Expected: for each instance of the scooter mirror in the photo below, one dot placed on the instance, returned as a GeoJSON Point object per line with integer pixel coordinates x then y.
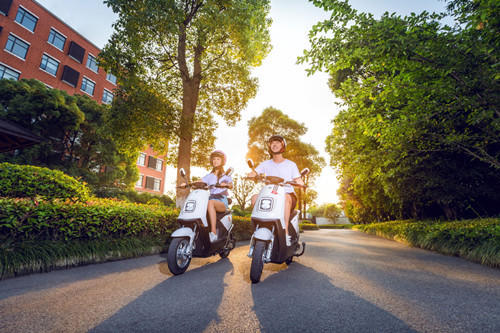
{"type": "Point", "coordinates": [304, 172]}
{"type": "Point", "coordinates": [229, 171]}
{"type": "Point", "coordinates": [182, 172]}
{"type": "Point", "coordinates": [250, 163]}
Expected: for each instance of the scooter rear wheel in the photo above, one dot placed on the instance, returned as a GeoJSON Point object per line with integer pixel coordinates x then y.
{"type": "Point", "coordinates": [257, 261]}
{"type": "Point", "coordinates": [177, 260]}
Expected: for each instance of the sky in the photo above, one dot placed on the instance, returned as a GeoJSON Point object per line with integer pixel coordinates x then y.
{"type": "Point", "coordinates": [282, 83]}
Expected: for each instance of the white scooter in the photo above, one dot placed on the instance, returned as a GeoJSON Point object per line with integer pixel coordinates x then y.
{"type": "Point", "coordinates": [192, 239]}
{"type": "Point", "coordinates": [268, 243]}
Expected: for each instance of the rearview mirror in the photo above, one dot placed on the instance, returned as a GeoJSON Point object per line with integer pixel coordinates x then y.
{"type": "Point", "coordinates": [304, 172]}
{"type": "Point", "coordinates": [250, 163]}
{"type": "Point", "coordinates": [229, 171]}
{"type": "Point", "coordinates": [182, 172]}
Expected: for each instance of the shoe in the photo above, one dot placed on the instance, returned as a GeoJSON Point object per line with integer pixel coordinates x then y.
{"type": "Point", "coordinates": [213, 237]}
{"type": "Point", "coordinates": [288, 240]}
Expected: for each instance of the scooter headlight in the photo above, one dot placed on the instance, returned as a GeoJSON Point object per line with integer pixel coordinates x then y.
{"type": "Point", "coordinates": [266, 204]}
{"type": "Point", "coordinates": [190, 206]}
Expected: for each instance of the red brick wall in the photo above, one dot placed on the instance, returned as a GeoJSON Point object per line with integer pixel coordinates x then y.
{"type": "Point", "coordinates": [29, 67]}
{"type": "Point", "coordinates": [147, 171]}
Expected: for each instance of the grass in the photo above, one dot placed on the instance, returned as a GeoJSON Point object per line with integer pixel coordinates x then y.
{"type": "Point", "coordinates": [43, 256]}
{"type": "Point", "coordinates": [477, 240]}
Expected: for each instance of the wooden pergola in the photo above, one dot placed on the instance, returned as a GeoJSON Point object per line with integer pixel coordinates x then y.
{"type": "Point", "coordinates": [13, 137]}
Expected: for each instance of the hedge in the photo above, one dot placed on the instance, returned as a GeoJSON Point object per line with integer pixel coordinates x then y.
{"type": "Point", "coordinates": [308, 226]}
{"type": "Point", "coordinates": [477, 240]}
{"type": "Point", "coordinates": [335, 226]}
{"type": "Point", "coordinates": [27, 181]}
{"type": "Point", "coordinates": [46, 235]}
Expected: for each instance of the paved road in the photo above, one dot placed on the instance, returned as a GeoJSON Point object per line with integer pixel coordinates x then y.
{"type": "Point", "coordinates": [346, 282]}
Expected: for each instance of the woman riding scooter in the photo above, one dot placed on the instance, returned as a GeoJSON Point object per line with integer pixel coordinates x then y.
{"type": "Point", "coordinates": [218, 196]}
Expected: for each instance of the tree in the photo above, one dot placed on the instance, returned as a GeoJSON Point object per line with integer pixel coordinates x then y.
{"type": "Point", "coordinates": [194, 58]}
{"type": "Point", "coordinates": [273, 121]}
{"type": "Point", "coordinates": [243, 189]}
{"type": "Point", "coordinates": [419, 132]}
{"type": "Point", "coordinates": [77, 142]}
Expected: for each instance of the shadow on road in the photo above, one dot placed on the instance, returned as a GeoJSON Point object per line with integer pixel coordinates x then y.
{"type": "Point", "coordinates": [187, 302]}
{"type": "Point", "coordinates": [40, 281]}
{"type": "Point", "coordinates": [315, 304]}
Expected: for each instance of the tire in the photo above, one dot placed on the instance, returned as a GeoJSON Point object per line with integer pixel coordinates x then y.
{"type": "Point", "coordinates": [225, 251]}
{"type": "Point", "coordinates": [289, 260]}
{"type": "Point", "coordinates": [257, 261]}
{"type": "Point", "coordinates": [177, 263]}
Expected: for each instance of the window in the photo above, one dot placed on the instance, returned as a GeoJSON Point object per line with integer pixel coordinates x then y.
{"type": "Point", "coordinates": [140, 181]}
{"type": "Point", "coordinates": [8, 73]}
{"type": "Point", "coordinates": [49, 64]}
{"type": "Point", "coordinates": [142, 159]}
{"type": "Point", "coordinates": [70, 76]}
{"type": "Point", "coordinates": [17, 46]}
{"type": "Point", "coordinates": [153, 183]}
{"type": "Point", "coordinates": [92, 63]}
{"type": "Point", "coordinates": [76, 52]}
{"type": "Point", "coordinates": [107, 97]}
{"type": "Point", "coordinates": [56, 39]}
{"type": "Point", "coordinates": [111, 78]}
{"type": "Point", "coordinates": [26, 19]}
{"type": "Point", "coordinates": [88, 86]}
{"type": "Point", "coordinates": [157, 184]}
{"type": "Point", "coordinates": [159, 165]}
{"type": "Point", "coordinates": [5, 6]}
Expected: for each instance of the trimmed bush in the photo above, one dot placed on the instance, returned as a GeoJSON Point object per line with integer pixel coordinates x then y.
{"type": "Point", "coordinates": [477, 240]}
{"type": "Point", "coordinates": [134, 196]}
{"type": "Point", "coordinates": [335, 226]}
{"type": "Point", "coordinates": [243, 228]}
{"type": "Point", "coordinates": [27, 181]}
{"type": "Point", "coordinates": [308, 226]}
{"type": "Point", "coordinates": [22, 220]}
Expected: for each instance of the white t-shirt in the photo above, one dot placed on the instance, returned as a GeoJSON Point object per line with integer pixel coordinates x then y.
{"type": "Point", "coordinates": [287, 170]}
{"type": "Point", "coordinates": [211, 179]}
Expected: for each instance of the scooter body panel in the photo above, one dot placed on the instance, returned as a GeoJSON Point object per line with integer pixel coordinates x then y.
{"type": "Point", "coordinates": [263, 234]}
{"type": "Point", "coordinates": [183, 232]}
{"type": "Point", "coordinates": [195, 206]}
{"type": "Point", "coordinates": [270, 205]}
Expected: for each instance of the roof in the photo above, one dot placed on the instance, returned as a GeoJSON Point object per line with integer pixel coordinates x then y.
{"type": "Point", "coordinates": [13, 137]}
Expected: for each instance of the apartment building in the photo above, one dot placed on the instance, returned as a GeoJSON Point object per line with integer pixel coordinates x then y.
{"type": "Point", "coordinates": [36, 44]}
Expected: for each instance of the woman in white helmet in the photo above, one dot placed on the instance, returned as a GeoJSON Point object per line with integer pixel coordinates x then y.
{"type": "Point", "coordinates": [218, 196]}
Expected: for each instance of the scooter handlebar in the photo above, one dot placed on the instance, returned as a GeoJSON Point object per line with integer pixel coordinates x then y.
{"type": "Point", "coordinates": [296, 184]}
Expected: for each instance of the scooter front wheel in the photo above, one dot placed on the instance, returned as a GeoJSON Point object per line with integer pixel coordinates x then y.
{"type": "Point", "coordinates": [177, 259]}
{"type": "Point", "coordinates": [257, 261]}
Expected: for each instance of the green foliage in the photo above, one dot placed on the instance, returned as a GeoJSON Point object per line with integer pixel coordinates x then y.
{"type": "Point", "coordinates": [26, 181]}
{"type": "Point", "coordinates": [243, 228]}
{"type": "Point", "coordinates": [419, 132]}
{"type": "Point", "coordinates": [75, 128]}
{"type": "Point", "coordinates": [43, 256]}
{"type": "Point", "coordinates": [180, 63]}
{"type": "Point", "coordinates": [22, 220]}
{"type": "Point", "coordinates": [134, 196]}
{"type": "Point", "coordinates": [328, 210]}
{"type": "Point", "coordinates": [477, 240]}
{"type": "Point", "coordinates": [308, 226]}
{"type": "Point", "coordinates": [335, 226]}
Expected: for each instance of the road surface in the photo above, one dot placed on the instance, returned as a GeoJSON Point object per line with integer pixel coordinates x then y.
{"type": "Point", "coordinates": [346, 281]}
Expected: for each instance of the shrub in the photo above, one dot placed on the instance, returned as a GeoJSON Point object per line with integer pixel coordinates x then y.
{"type": "Point", "coordinates": [22, 220]}
{"type": "Point", "coordinates": [134, 196]}
{"type": "Point", "coordinates": [22, 181]}
{"type": "Point", "coordinates": [335, 226]}
{"type": "Point", "coordinates": [308, 226]}
{"type": "Point", "coordinates": [477, 240]}
{"type": "Point", "coordinates": [243, 228]}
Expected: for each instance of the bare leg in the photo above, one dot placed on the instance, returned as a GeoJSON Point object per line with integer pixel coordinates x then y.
{"type": "Point", "coordinates": [213, 206]}
{"type": "Point", "coordinates": [288, 204]}
{"type": "Point", "coordinates": [253, 199]}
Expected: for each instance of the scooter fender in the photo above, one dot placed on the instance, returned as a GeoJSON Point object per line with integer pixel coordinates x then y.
{"type": "Point", "coordinates": [263, 234]}
{"type": "Point", "coordinates": [183, 232]}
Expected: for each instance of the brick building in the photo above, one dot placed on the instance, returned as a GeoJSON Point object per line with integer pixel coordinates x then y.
{"type": "Point", "coordinates": [36, 44]}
